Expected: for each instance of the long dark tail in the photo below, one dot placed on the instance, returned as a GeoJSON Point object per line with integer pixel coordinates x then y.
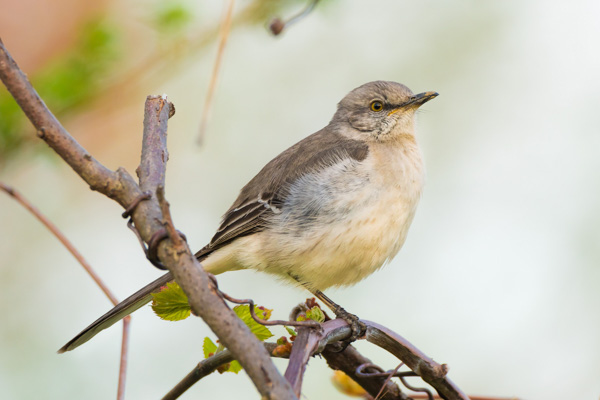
{"type": "Point", "coordinates": [120, 311]}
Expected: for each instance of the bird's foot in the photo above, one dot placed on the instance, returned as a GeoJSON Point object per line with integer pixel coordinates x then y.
{"type": "Point", "coordinates": [358, 328]}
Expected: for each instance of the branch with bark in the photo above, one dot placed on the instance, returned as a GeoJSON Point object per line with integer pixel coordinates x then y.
{"type": "Point", "coordinates": [88, 268]}
{"type": "Point", "coordinates": [121, 187]}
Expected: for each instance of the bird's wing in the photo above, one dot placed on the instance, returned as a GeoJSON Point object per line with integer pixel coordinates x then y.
{"type": "Point", "coordinates": [265, 194]}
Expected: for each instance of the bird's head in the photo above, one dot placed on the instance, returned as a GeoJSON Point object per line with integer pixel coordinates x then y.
{"type": "Point", "coordinates": [379, 111]}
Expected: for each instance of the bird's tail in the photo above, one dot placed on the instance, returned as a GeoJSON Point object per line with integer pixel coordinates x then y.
{"type": "Point", "coordinates": [120, 311]}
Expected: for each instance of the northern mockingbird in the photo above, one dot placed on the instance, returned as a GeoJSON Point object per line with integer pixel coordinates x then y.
{"type": "Point", "coordinates": [328, 211]}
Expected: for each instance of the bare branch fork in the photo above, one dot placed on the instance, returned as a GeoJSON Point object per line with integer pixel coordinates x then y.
{"type": "Point", "coordinates": [147, 217]}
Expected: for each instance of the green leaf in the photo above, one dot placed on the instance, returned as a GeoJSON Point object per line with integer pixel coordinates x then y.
{"type": "Point", "coordinates": [234, 367]}
{"type": "Point", "coordinates": [208, 347]}
{"type": "Point", "coordinates": [171, 303]}
{"type": "Point", "coordinates": [291, 331]}
{"type": "Point", "coordinates": [316, 314]}
{"type": "Point", "coordinates": [261, 331]}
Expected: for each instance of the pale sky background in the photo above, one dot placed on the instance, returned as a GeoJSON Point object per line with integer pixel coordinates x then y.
{"type": "Point", "coordinates": [499, 276]}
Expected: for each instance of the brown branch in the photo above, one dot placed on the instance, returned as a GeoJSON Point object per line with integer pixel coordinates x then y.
{"type": "Point", "coordinates": [349, 360]}
{"type": "Point", "coordinates": [431, 372]}
{"type": "Point", "coordinates": [224, 33]}
{"type": "Point", "coordinates": [195, 282]}
{"type": "Point", "coordinates": [302, 349]}
{"type": "Point", "coordinates": [147, 218]}
{"type": "Point", "coordinates": [207, 367]}
{"type": "Point", "coordinates": [61, 238]}
{"type": "Point", "coordinates": [88, 268]}
{"type": "Point", "coordinates": [168, 220]}
{"type": "Point", "coordinates": [333, 331]}
{"type": "Point", "coordinates": [51, 131]}
{"type": "Point", "coordinates": [123, 359]}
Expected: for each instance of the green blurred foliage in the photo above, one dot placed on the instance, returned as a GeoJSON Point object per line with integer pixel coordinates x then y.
{"type": "Point", "coordinates": [75, 77]}
{"type": "Point", "coordinates": [172, 17]}
{"type": "Point", "coordinates": [65, 83]}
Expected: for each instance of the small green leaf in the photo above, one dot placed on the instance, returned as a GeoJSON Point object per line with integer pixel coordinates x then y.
{"type": "Point", "coordinates": [291, 331]}
{"type": "Point", "coordinates": [234, 367]}
{"type": "Point", "coordinates": [208, 347]}
{"type": "Point", "coordinates": [261, 331]}
{"type": "Point", "coordinates": [171, 303]}
{"type": "Point", "coordinates": [316, 314]}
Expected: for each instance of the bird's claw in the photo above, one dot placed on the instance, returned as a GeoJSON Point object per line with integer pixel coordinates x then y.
{"type": "Point", "coordinates": [357, 327]}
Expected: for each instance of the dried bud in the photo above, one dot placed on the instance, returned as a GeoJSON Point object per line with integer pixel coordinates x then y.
{"type": "Point", "coordinates": [276, 26]}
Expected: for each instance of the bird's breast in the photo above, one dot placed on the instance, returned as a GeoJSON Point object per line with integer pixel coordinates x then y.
{"type": "Point", "coordinates": [344, 222]}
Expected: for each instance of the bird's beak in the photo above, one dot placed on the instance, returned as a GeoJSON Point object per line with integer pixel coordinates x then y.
{"type": "Point", "coordinates": [419, 99]}
{"type": "Point", "coordinates": [415, 101]}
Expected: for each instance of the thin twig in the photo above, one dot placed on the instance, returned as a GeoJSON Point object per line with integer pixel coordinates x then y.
{"type": "Point", "coordinates": [224, 35]}
{"type": "Point", "coordinates": [333, 331]}
{"type": "Point", "coordinates": [384, 385]}
{"type": "Point", "coordinates": [62, 238]}
{"type": "Point", "coordinates": [299, 324]}
{"type": "Point", "coordinates": [147, 216]}
{"type": "Point", "coordinates": [430, 371]}
{"type": "Point", "coordinates": [123, 359]}
{"type": "Point", "coordinates": [277, 25]}
{"type": "Point", "coordinates": [207, 367]}
{"type": "Point", "coordinates": [88, 268]}
{"type": "Point", "coordinates": [349, 361]}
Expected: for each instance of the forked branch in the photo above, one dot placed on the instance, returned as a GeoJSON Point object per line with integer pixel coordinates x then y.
{"type": "Point", "coordinates": [147, 218]}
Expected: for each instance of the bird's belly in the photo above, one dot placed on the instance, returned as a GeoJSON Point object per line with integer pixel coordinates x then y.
{"type": "Point", "coordinates": [345, 248]}
{"type": "Point", "coordinates": [338, 226]}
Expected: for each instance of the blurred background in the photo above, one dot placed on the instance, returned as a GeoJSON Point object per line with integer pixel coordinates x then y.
{"type": "Point", "coordinates": [499, 276]}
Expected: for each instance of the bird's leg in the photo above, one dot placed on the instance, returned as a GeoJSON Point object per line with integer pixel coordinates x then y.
{"type": "Point", "coordinates": [358, 328]}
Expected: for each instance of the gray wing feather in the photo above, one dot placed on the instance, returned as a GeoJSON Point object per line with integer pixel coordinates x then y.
{"type": "Point", "coordinates": [266, 192]}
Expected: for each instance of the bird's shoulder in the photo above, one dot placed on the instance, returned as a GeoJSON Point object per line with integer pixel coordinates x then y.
{"type": "Point", "coordinates": [265, 193]}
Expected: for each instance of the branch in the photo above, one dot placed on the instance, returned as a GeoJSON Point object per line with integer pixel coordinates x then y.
{"type": "Point", "coordinates": [224, 34]}
{"type": "Point", "coordinates": [348, 362]}
{"type": "Point", "coordinates": [123, 358]}
{"type": "Point", "coordinates": [51, 131]}
{"type": "Point", "coordinates": [61, 238]}
{"type": "Point", "coordinates": [317, 341]}
{"type": "Point", "coordinates": [431, 372]}
{"type": "Point", "coordinates": [88, 268]}
{"type": "Point", "coordinates": [207, 367]}
{"type": "Point", "coordinates": [120, 186]}
{"type": "Point", "coordinates": [302, 349]}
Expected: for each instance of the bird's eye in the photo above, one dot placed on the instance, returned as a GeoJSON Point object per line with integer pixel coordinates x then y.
{"type": "Point", "coordinates": [376, 106]}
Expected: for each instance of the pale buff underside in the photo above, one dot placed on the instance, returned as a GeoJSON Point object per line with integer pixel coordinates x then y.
{"type": "Point", "coordinates": [350, 227]}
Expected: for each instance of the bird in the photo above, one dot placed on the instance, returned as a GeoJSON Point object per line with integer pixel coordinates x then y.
{"type": "Point", "coordinates": [328, 211]}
